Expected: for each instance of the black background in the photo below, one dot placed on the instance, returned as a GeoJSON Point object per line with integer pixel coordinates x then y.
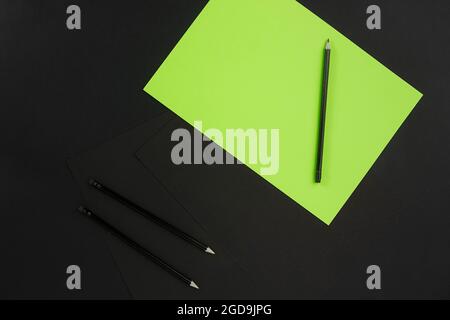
{"type": "Point", "coordinates": [64, 92]}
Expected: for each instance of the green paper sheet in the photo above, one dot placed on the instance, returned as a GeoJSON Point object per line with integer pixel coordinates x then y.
{"type": "Point", "coordinates": [258, 64]}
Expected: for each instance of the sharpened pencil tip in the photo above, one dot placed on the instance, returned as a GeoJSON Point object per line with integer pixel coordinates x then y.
{"type": "Point", "coordinates": [193, 285]}
{"type": "Point", "coordinates": [209, 250]}
{"type": "Point", "coordinates": [328, 45]}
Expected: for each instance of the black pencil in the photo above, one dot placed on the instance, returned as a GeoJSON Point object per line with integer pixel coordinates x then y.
{"type": "Point", "coordinates": [323, 111]}
{"type": "Point", "coordinates": [177, 274]}
{"type": "Point", "coordinates": [155, 219]}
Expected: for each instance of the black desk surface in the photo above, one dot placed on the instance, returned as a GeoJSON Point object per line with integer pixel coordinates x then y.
{"type": "Point", "coordinates": [64, 92]}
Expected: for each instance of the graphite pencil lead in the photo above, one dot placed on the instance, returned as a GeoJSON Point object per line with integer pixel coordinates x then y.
{"type": "Point", "coordinates": [193, 285]}
{"type": "Point", "coordinates": [328, 45]}
{"type": "Point", "coordinates": [209, 250]}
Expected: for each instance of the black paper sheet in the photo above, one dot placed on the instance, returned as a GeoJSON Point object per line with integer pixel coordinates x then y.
{"type": "Point", "coordinates": [116, 165]}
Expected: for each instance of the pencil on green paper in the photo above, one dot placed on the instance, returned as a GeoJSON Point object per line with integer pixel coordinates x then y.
{"type": "Point", "coordinates": [323, 111]}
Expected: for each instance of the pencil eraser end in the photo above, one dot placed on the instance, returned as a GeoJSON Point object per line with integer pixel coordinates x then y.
{"type": "Point", "coordinates": [318, 177]}
{"type": "Point", "coordinates": [84, 210]}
